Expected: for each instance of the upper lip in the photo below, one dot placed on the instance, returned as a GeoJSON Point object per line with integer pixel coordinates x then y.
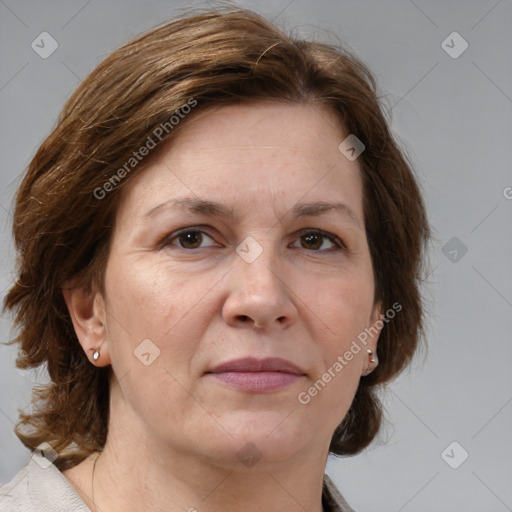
{"type": "Point", "coordinates": [251, 364]}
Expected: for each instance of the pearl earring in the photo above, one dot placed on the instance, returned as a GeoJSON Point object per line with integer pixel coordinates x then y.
{"type": "Point", "coordinates": [374, 361]}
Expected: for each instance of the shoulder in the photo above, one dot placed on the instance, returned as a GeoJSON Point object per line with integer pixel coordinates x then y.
{"type": "Point", "coordinates": [332, 499]}
{"type": "Point", "coordinates": [14, 495]}
{"type": "Point", "coordinates": [40, 487]}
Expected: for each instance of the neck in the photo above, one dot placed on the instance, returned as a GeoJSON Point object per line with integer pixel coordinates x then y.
{"type": "Point", "coordinates": [139, 471]}
{"type": "Point", "coordinates": [135, 473]}
{"type": "Point", "coordinates": [129, 478]}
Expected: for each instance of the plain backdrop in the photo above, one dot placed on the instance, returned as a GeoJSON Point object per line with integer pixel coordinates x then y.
{"type": "Point", "coordinates": [452, 111]}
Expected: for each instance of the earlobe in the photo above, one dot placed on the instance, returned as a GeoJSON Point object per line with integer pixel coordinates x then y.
{"type": "Point", "coordinates": [373, 362]}
{"type": "Point", "coordinates": [87, 312]}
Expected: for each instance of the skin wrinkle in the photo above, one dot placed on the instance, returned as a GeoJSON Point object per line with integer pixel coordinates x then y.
{"type": "Point", "coordinates": [191, 304]}
{"type": "Point", "coordinates": [199, 307]}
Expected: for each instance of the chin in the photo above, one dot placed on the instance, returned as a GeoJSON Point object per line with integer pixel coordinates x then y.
{"type": "Point", "coordinates": [253, 440]}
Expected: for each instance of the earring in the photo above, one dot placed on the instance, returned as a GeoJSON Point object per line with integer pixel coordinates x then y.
{"type": "Point", "coordinates": [374, 361]}
{"type": "Point", "coordinates": [96, 355]}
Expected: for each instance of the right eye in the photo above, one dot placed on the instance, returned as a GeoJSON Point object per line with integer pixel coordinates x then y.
{"type": "Point", "coordinates": [190, 238]}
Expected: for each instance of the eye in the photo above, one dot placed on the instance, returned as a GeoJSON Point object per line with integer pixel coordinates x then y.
{"type": "Point", "coordinates": [311, 239]}
{"type": "Point", "coordinates": [314, 239]}
{"type": "Point", "coordinates": [188, 239]}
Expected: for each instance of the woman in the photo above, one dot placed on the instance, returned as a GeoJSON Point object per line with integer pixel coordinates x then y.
{"type": "Point", "coordinates": [220, 253]}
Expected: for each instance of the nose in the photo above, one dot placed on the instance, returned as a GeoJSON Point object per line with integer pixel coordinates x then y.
{"type": "Point", "coordinates": [260, 295]}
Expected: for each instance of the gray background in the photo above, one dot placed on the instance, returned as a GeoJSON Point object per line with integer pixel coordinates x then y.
{"type": "Point", "coordinates": [454, 118]}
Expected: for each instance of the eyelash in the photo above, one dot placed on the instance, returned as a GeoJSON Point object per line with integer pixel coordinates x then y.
{"type": "Point", "coordinates": [339, 245]}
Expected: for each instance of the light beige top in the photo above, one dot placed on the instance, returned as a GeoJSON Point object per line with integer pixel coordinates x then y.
{"type": "Point", "coordinates": [40, 487]}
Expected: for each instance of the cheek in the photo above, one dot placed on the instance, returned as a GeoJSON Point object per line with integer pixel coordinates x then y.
{"type": "Point", "coordinates": [151, 301]}
{"type": "Point", "coordinates": [343, 304]}
{"type": "Point", "coordinates": [155, 325]}
{"type": "Point", "coordinates": [334, 384]}
{"type": "Point", "coordinates": [330, 395]}
{"type": "Point", "coordinates": [153, 334]}
{"type": "Point", "coordinates": [343, 307]}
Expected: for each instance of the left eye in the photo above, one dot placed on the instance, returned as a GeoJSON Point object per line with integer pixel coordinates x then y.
{"type": "Point", "coordinates": [314, 240]}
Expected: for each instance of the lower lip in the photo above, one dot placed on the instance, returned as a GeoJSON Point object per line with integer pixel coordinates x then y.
{"type": "Point", "coordinates": [257, 381]}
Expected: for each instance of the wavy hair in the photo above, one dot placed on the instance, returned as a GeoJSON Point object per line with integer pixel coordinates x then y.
{"type": "Point", "coordinates": [62, 229]}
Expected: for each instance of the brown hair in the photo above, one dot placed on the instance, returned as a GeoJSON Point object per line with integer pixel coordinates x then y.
{"type": "Point", "coordinates": [62, 229]}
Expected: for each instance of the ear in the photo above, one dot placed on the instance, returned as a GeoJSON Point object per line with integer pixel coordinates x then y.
{"type": "Point", "coordinates": [88, 314]}
{"type": "Point", "coordinates": [372, 332]}
{"type": "Point", "coordinates": [375, 326]}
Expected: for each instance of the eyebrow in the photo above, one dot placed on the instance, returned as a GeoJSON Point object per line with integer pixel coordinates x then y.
{"type": "Point", "coordinates": [215, 209]}
{"type": "Point", "coordinates": [210, 208]}
{"type": "Point", "coordinates": [319, 207]}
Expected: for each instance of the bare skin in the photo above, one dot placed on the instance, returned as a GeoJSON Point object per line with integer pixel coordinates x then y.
{"type": "Point", "coordinates": [175, 431]}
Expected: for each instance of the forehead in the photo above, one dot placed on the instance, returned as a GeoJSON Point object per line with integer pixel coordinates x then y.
{"type": "Point", "coordinates": [254, 155]}
{"type": "Point", "coordinates": [282, 129]}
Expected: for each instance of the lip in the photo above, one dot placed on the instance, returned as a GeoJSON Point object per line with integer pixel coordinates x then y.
{"type": "Point", "coordinates": [252, 364]}
{"type": "Point", "coordinates": [257, 375]}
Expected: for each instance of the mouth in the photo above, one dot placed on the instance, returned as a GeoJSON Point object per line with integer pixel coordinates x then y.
{"type": "Point", "coordinates": [257, 375]}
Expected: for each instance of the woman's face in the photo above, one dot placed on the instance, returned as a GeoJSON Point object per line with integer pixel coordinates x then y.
{"type": "Point", "coordinates": [224, 249]}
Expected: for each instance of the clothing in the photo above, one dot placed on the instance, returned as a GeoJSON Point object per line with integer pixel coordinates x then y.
{"type": "Point", "coordinates": [332, 500]}
{"type": "Point", "coordinates": [41, 487]}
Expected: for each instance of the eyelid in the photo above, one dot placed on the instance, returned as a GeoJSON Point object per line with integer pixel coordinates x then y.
{"type": "Point", "coordinates": [336, 240]}
{"type": "Point", "coordinates": [166, 240]}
